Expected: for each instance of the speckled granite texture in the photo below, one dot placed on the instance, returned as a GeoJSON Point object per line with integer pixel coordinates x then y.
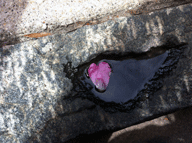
{"type": "Point", "coordinates": [33, 84]}
{"type": "Point", "coordinates": [18, 18]}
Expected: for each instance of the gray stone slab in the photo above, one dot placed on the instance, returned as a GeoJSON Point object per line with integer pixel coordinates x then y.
{"type": "Point", "coordinates": [20, 18]}
{"type": "Point", "coordinates": [37, 97]}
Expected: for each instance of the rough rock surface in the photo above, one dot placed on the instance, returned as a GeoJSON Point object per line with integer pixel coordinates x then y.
{"type": "Point", "coordinates": [35, 92]}
{"type": "Point", "coordinates": [23, 17]}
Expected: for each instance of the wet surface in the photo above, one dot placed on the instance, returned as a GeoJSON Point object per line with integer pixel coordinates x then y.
{"type": "Point", "coordinates": [134, 78]}
{"type": "Point", "coordinates": [128, 78]}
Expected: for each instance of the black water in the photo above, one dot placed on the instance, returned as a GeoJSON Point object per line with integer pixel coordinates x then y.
{"type": "Point", "coordinates": [134, 77]}
{"type": "Point", "coordinates": [128, 78]}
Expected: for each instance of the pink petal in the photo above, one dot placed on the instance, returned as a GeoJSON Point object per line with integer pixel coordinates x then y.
{"type": "Point", "coordinates": [100, 74]}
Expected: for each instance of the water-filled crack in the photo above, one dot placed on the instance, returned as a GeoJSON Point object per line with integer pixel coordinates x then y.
{"type": "Point", "coordinates": [135, 78]}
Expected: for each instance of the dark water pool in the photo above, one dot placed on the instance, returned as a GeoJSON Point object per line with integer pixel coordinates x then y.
{"type": "Point", "coordinates": [134, 77]}
{"type": "Point", "coordinates": [128, 78]}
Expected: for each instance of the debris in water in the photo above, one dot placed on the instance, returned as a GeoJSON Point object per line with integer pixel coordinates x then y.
{"type": "Point", "coordinates": [100, 75]}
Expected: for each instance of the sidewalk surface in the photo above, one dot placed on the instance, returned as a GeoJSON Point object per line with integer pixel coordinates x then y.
{"type": "Point", "coordinates": [23, 17]}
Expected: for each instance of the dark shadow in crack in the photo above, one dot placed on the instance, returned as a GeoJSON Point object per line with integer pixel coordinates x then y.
{"type": "Point", "coordinates": [172, 128]}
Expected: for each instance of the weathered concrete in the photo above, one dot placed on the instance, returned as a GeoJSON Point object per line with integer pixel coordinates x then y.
{"type": "Point", "coordinates": [36, 100]}
{"type": "Point", "coordinates": [23, 17]}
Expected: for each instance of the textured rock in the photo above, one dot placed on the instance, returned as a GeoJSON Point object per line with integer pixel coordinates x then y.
{"type": "Point", "coordinates": [23, 17]}
{"type": "Point", "coordinates": [36, 98]}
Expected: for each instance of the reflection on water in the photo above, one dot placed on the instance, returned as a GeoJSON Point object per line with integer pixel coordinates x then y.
{"type": "Point", "coordinates": [134, 79]}
{"type": "Point", "coordinates": [128, 78]}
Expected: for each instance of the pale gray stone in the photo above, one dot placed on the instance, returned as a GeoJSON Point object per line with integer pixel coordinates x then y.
{"type": "Point", "coordinates": [37, 99]}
